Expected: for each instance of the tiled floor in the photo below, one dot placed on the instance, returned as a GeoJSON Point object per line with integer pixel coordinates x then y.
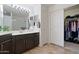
{"type": "Point", "coordinates": [54, 49]}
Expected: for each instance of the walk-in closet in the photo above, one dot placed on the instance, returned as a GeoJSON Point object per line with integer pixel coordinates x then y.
{"type": "Point", "coordinates": [71, 28]}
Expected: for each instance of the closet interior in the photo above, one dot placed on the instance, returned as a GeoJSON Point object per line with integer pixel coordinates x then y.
{"type": "Point", "coordinates": [71, 27]}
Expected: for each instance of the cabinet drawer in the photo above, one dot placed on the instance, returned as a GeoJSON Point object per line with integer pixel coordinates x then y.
{"type": "Point", "coordinates": [6, 47]}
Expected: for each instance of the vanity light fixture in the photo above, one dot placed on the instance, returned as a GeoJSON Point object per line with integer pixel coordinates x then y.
{"type": "Point", "coordinates": [17, 7]}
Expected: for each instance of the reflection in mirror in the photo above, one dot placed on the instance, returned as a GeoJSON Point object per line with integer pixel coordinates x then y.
{"type": "Point", "coordinates": [18, 22]}
{"type": "Point", "coordinates": [7, 20]}
{"type": "Point", "coordinates": [34, 23]}
{"type": "Point", "coordinates": [1, 17]}
{"type": "Point", "coordinates": [14, 19]}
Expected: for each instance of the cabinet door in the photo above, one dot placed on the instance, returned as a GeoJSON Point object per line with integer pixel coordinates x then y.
{"type": "Point", "coordinates": [29, 43]}
{"type": "Point", "coordinates": [36, 39]}
{"type": "Point", "coordinates": [19, 44]}
{"type": "Point", "coordinates": [32, 40]}
{"type": "Point", "coordinates": [6, 47]}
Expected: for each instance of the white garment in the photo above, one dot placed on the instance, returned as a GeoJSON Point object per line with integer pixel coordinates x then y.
{"type": "Point", "coordinates": [78, 23]}
{"type": "Point", "coordinates": [73, 26]}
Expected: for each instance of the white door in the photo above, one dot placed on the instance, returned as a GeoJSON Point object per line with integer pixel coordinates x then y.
{"type": "Point", "coordinates": [57, 27]}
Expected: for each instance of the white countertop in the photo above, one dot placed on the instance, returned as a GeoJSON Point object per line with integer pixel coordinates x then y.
{"type": "Point", "coordinates": [4, 33]}
{"type": "Point", "coordinates": [20, 32]}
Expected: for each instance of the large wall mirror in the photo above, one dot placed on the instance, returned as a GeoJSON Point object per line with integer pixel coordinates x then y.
{"type": "Point", "coordinates": [15, 18]}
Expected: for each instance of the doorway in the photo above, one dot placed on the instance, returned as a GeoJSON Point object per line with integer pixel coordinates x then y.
{"type": "Point", "coordinates": [71, 28]}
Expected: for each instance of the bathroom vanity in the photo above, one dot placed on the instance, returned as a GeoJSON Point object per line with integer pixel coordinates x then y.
{"type": "Point", "coordinates": [14, 38]}
{"type": "Point", "coordinates": [18, 42]}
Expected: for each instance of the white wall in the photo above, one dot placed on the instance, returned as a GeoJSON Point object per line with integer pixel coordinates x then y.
{"type": "Point", "coordinates": [56, 23]}
{"type": "Point", "coordinates": [44, 25]}
{"type": "Point", "coordinates": [57, 27]}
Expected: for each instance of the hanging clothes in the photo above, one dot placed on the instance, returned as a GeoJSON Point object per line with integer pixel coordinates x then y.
{"type": "Point", "coordinates": [78, 29]}
{"type": "Point", "coordinates": [66, 32]}
{"type": "Point", "coordinates": [74, 32]}
{"type": "Point", "coordinates": [69, 29]}
{"type": "Point", "coordinates": [72, 29]}
{"type": "Point", "coordinates": [73, 26]}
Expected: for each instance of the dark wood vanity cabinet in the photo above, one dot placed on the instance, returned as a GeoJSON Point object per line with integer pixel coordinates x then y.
{"type": "Point", "coordinates": [36, 39]}
{"type": "Point", "coordinates": [31, 41]}
{"type": "Point", "coordinates": [25, 42]}
{"type": "Point", "coordinates": [18, 44]}
{"type": "Point", "coordinates": [6, 44]}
